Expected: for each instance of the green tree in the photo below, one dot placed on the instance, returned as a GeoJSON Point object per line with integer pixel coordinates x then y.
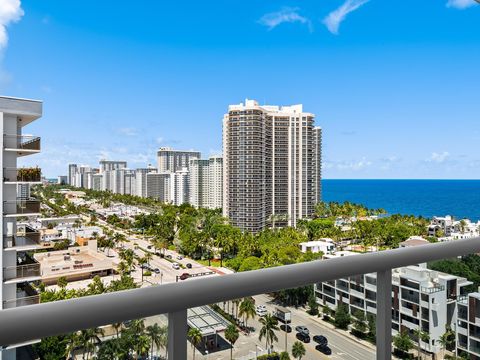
{"type": "Point", "coordinates": [420, 336]}
{"type": "Point", "coordinates": [195, 337]}
{"type": "Point", "coordinates": [247, 309]}
{"type": "Point", "coordinates": [157, 335]}
{"type": "Point", "coordinates": [231, 334]}
{"type": "Point", "coordinates": [342, 318]}
{"type": "Point", "coordinates": [62, 282]}
{"type": "Point", "coordinates": [359, 323]}
{"type": "Point", "coordinates": [267, 331]}
{"type": "Point", "coordinates": [313, 305]}
{"type": "Point", "coordinates": [298, 350]}
{"type": "Point", "coordinates": [403, 342]}
{"type": "Point", "coordinates": [284, 356]}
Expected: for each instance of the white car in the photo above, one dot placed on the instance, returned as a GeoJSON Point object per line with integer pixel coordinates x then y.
{"type": "Point", "coordinates": [176, 266]}
{"type": "Point", "coordinates": [261, 310]}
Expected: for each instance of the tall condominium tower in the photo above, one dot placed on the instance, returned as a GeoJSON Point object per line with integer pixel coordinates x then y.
{"type": "Point", "coordinates": [18, 269]}
{"type": "Point", "coordinates": [272, 169]}
{"type": "Point", "coordinates": [205, 182]}
{"type": "Point", "coordinates": [110, 165]}
{"type": "Point", "coordinates": [72, 170]}
{"type": "Point", "coordinates": [172, 160]}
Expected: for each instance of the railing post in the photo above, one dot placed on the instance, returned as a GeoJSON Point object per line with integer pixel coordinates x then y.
{"type": "Point", "coordinates": [177, 335]}
{"type": "Point", "coordinates": [384, 315]}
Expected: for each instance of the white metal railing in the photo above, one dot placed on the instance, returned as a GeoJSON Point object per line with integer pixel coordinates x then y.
{"type": "Point", "coordinates": [31, 322]}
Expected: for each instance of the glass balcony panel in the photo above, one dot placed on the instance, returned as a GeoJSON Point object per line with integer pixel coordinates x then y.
{"type": "Point", "coordinates": [21, 207]}
{"type": "Point", "coordinates": [26, 174]}
{"type": "Point", "coordinates": [21, 142]}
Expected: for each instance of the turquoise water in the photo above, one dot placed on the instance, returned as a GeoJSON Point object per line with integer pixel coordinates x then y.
{"type": "Point", "coordinates": [459, 198]}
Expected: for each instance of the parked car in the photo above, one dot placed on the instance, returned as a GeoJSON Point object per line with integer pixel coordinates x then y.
{"type": "Point", "coordinates": [156, 271]}
{"type": "Point", "coordinates": [261, 310]}
{"type": "Point", "coordinates": [149, 247]}
{"type": "Point", "coordinates": [179, 257]}
{"type": "Point", "coordinates": [176, 266]}
{"type": "Point", "coordinates": [324, 349]}
{"type": "Point", "coordinates": [188, 265]}
{"type": "Point", "coordinates": [303, 337]}
{"type": "Point", "coordinates": [168, 256]}
{"type": "Point", "coordinates": [302, 329]}
{"type": "Point", "coordinates": [320, 339]}
{"type": "Point", "coordinates": [286, 328]}
{"type": "Point", "coordinates": [184, 276]}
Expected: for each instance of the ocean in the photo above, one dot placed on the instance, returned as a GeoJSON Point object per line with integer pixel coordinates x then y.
{"type": "Point", "coordinates": [459, 198]}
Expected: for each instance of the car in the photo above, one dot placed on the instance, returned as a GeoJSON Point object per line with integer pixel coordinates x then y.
{"type": "Point", "coordinates": [149, 247]}
{"type": "Point", "coordinates": [184, 276]}
{"type": "Point", "coordinates": [303, 337]}
{"type": "Point", "coordinates": [261, 310]}
{"type": "Point", "coordinates": [176, 266]}
{"type": "Point", "coordinates": [286, 328]}
{"type": "Point", "coordinates": [324, 349]}
{"type": "Point", "coordinates": [156, 271]}
{"type": "Point", "coordinates": [302, 329]}
{"type": "Point", "coordinates": [188, 265]}
{"type": "Point", "coordinates": [179, 257]}
{"type": "Point", "coordinates": [168, 256]}
{"type": "Point", "coordinates": [320, 339]}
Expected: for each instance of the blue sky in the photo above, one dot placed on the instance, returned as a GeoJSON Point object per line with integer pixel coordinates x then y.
{"type": "Point", "coordinates": [394, 85]}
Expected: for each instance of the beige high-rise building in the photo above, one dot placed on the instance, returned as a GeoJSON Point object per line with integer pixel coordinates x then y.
{"type": "Point", "coordinates": [272, 165]}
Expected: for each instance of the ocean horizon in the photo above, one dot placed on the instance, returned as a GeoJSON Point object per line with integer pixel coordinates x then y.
{"type": "Point", "coordinates": [420, 197]}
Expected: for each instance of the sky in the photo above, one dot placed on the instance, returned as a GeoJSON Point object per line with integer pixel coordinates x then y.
{"type": "Point", "coordinates": [394, 85]}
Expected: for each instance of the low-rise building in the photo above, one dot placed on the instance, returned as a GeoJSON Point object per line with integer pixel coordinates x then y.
{"type": "Point", "coordinates": [422, 299]}
{"type": "Point", "coordinates": [324, 245]}
{"type": "Point", "coordinates": [76, 263]}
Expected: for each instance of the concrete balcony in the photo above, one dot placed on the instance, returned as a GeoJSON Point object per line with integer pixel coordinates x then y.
{"type": "Point", "coordinates": [21, 207]}
{"type": "Point", "coordinates": [26, 295]}
{"type": "Point", "coordinates": [21, 144]}
{"type": "Point", "coordinates": [22, 175]}
{"type": "Point", "coordinates": [28, 270]}
{"type": "Point", "coordinates": [23, 241]}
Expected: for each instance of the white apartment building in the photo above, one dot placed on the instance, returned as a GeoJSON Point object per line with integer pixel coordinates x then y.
{"type": "Point", "coordinates": [421, 299]}
{"type": "Point", "coordinates": [97, 180]}
{"type": "Point", "coordinates": [468, 326]}
{"type": "Point", "coordinates": [272, 165]}
{"type": "Point", "coordinates": [206, 182]}
{"type": "Point", "coordinates": [159, 186]}
{"type": "Point", "coordinates": [17, 268]}
{"type": "Point", "coordinates": [62, 180]}
{"type": "Point", "coordinates": [179, 192]}
{"type": "Point", "coordinates": [172, 160]}
{"type": "Point", "coordinates": [109, 165]}
{"type": "Point", "coordinates": [141, 181]}
{"type": "Point", "coordinates": [72, 170]}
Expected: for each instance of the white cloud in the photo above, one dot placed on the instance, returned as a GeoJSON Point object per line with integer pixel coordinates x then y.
{"type": "Point", "coordinates": [438, 157]}
{"type": "Point", "coordinates": [10, 11]}
{"type": "Point", "coordinates": [333, 20]}
{"type": "Point", "coordinates": [355, 165]}
{"type": "Point", "coordinates": [286, 15]}
{"type": "Point", "coordinates": [461, 4]}
{"type": "Point", "coordinates": [127, 131]}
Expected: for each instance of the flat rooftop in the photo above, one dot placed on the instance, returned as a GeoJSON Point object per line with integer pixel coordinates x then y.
{"type": "Point", "coordinates": [74, 261]}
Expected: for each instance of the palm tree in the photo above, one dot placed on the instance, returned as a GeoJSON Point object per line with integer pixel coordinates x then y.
{"type": "Point", "coordinates": [236, 302]}
{"type": "Point", "coordinates": [247, 309]}
{"type": "Point", "coordinates": [72, 343]}
{"type": "Point", "coordinates": [298, 350]}
{"type": "Point", "coordinates": [420, 336]}
{"type": "Point", "coordinates": [117, 327]}
{"type": "Point", "coordinates": [195, 337]}
{"type": "Point", "coordinates": [148, 256]}
{"type": "Point", "coordinates": [142, 261]}
{"type": "Point", "coordinates": [231, 334]}
{"type": "Point", "coordinates": [157, 334]}
{"type": "Point", "coordinates": [269, 325]}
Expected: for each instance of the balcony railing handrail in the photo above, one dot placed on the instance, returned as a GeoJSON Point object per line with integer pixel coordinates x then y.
{"type": "Point", "coordinates": [37, 321]}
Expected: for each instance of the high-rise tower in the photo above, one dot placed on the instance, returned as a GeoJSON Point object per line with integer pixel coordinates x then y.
{"type": "Point", "coordinates": [272, 158]}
